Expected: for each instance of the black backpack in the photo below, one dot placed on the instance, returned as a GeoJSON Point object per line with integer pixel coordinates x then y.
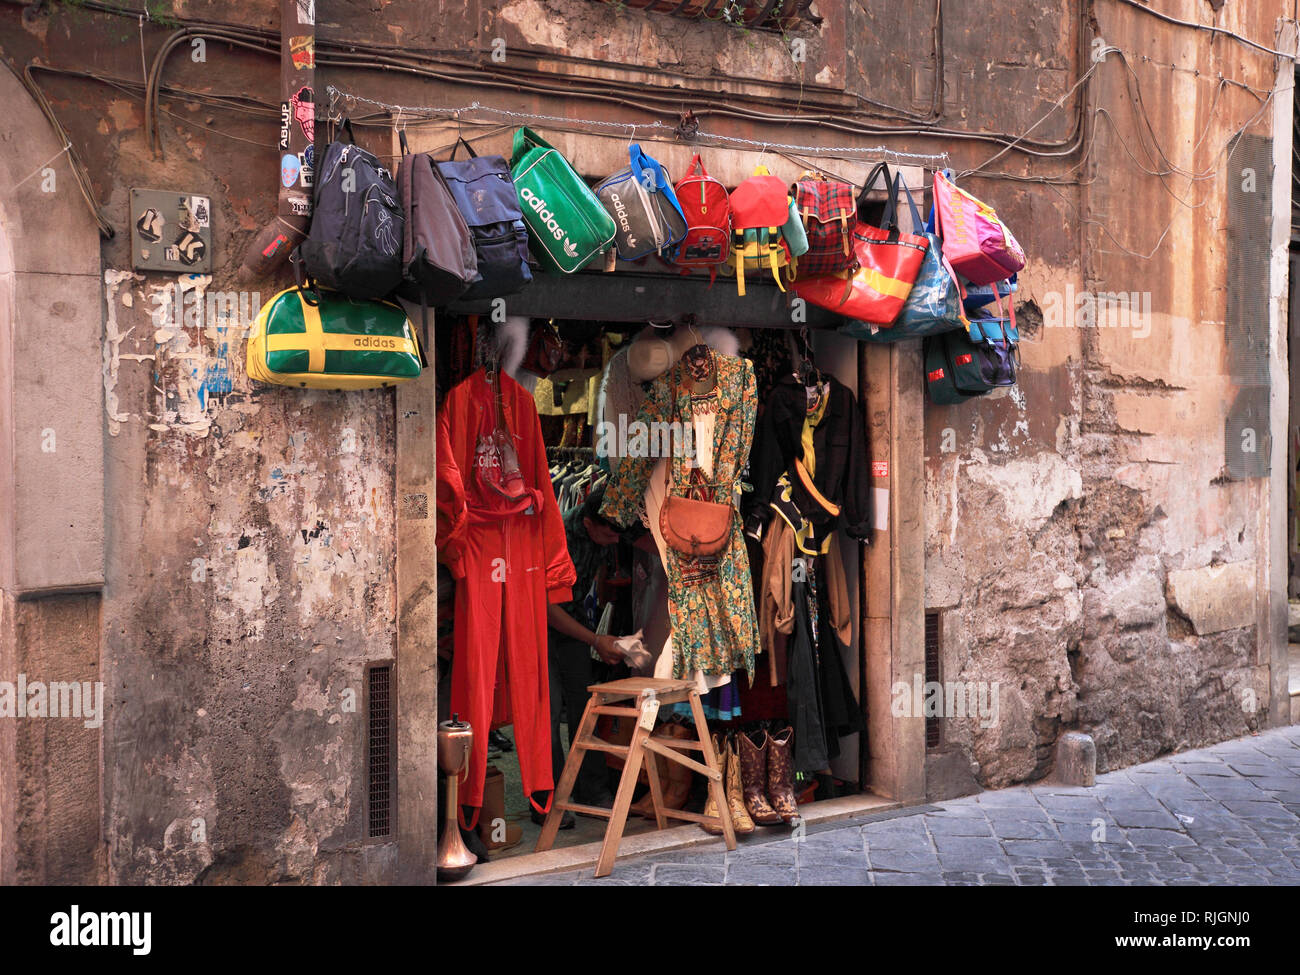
{"type": "Point", "coordinates": [486, 197]}
{"type": "Point", "coordinates": [438, 258]}
{"type": "Point", "coordinates": [355, 242]}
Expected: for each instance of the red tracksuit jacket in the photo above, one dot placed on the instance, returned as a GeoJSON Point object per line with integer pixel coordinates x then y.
{"type": "Point", "coordinates": [509, 560]}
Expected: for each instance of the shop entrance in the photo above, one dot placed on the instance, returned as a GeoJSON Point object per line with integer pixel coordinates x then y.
{"type": "Point", "coordinates": [570, 409]}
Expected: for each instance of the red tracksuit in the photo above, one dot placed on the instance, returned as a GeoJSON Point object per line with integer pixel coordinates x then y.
{"type": "Point", "coordinates": [509, 561]}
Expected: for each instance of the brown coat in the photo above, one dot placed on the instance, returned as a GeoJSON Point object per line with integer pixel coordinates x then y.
{"type": "Point", "coordinates": [775, 605]}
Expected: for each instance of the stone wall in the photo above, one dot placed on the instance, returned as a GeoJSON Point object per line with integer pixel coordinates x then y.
{"type": "Point", "coordinates": [1082, 543]}
{"type": "Point", "coordinates": [1086, 547]}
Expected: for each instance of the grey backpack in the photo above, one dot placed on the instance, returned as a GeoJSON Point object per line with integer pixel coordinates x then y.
{"type": "Point", "coordinates": [438, 258]}
{"type": "Point", "coordinates": [641, 200]}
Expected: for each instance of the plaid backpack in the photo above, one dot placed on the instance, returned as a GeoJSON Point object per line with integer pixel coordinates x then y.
{"type": "Point", "coordinates": [829, 212]}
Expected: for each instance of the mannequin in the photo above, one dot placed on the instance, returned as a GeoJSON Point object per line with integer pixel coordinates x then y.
{"type": "Point", "coordinates": [512, 345]}
{"type": "Point", "coordinates": [651, 354]}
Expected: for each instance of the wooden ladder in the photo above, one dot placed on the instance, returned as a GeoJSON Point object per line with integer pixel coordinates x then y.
{"type": "Point", "coordinates": [646, 695]}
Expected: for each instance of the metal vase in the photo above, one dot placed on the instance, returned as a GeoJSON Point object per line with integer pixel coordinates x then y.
{"type": "Point", "coordinates": [455, 738]}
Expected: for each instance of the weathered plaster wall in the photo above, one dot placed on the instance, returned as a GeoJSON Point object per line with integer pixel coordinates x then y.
{"type": "Point", "coordinates": [250, 534]}
{"type": "Point", "coordinates": [1060, 515]}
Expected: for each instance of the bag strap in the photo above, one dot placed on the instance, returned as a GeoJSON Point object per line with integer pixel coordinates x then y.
{"type": "Point", "coordinates": [889, 220]}
{"type": "Point", "coordinates": [525, 137]}
{"type": "Point", "coordinates": [871, 181]}
{"type": "Point", "coordinates": [738, 251]}
{"type": "Point", "coordinates": [423, 338]}
{"type": "Point", "coordinates": [772, 237]}
{"type": "Point", "coordinates": [401, 137]}
{"type": "Point", "coordinates": [696, 164]}
{"type": "Point", "coordinates": [305, 284]}
{"type": "Point", "coordinates": [917, 225]}
{"type": "Point", "coordinates": [1011, 304]}
{"type": "Point", "coordinates": [460, 141]}
{"type": "Point", "coordinates": [347, 127]}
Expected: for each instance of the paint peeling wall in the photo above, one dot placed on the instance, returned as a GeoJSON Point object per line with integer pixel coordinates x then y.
{"type": "Point", "coordinates": [250, 533]}
{"type": "Point", "coordinates": [255, 567]}
{"type": "Point", "coordinates": [251, 539]}
{"type": "Point", "coordinates": [1060, 515]}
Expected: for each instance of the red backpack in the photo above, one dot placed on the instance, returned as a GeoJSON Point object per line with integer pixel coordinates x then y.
{"type": "Point", "coordinates": [708, 219]}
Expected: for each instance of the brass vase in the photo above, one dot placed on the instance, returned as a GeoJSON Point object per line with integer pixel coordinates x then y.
{"type": "Point", "coordinates": [455, 738]}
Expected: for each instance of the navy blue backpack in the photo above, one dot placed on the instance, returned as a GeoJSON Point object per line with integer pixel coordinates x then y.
{"type": "Point", "coordinates": [486, 197]}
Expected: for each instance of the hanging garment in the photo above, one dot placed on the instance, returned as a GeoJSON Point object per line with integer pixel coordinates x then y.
{"type": "Point", "coordinates": [769, 350]}
{"type": "Point", "coordinates": [829, 485]}
{"type": "Point", "coordinates": [620, 396]}
{"type": "Point", "coordinates": [656, 491]}
{"type": "Point", "coordinates": [841, 714]}
{"type": "Point", "coordinates": [568, 392]}
{"type": "Point", "coordinates": [510, 562]}
{"type": "Point", "coordinates": [449, 499]}
{"type": "Point", "coordinates": [710, 601]}
{"type": "Point", "coordinates": [803, 689]}
{"type": "Point", "coordinates": [776, 601]}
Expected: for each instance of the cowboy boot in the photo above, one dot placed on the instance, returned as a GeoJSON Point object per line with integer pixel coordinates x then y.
{"type": "Point", "coordinates": [740, 820]}
{"type": "Point", "coordinates": [780, 775]}
{"type": "Point", "coordinates": [711, 806]}
{"type": "Point", "coordinates": [753, 781]}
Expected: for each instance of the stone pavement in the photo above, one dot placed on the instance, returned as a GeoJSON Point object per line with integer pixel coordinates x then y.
{"type": "Point", "coordinates": [1224, 815]}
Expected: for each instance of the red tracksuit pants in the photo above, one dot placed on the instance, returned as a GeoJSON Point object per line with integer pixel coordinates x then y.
{"type": "Point", "coordinates": [501, 635]}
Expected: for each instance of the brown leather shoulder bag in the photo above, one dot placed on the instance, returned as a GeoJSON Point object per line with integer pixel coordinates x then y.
{"type": "Point", "coordinates": [692, 526]}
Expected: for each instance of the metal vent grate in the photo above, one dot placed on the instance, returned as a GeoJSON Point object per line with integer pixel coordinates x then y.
{"type": "Point", "coordinates": [933, 728]}
{"type": "Point", "coordinates": [379, 750]}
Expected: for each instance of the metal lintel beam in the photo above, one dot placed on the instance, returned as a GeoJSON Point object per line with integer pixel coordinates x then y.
{"type": "Point", "coordinates": [639, 297]}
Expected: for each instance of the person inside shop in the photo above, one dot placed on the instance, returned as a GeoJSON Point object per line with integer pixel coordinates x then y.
{"type": "Point", "coordinates": [593, 547]}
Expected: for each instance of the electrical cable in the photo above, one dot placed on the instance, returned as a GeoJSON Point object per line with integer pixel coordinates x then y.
{"type": "Point", "coordinates": [568, 123]}
{"type": "Point", "coordinates": [80, 174]}
{"type": "Point", "coordinates": [1208, 27]}
{"type": "Point", "coordinates": [530, 82]}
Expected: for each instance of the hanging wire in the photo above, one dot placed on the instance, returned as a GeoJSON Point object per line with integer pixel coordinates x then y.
{"type": "Point", "coordinates": [1289, 55]}
{"type": "Point", "coordinates": [619, 127]}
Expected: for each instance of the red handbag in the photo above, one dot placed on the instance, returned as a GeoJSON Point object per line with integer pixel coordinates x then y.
{"type": "Point", "coordinates": [888, 264]}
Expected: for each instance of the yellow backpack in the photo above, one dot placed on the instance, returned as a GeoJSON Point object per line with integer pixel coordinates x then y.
{"type": "Point", "coordinates": [767, 233]}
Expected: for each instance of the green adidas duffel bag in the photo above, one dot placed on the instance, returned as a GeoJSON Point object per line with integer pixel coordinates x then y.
{"type": "Point", "coordinates": [325, 340]}
{"type": "Point", "coordinates": [567, 225]}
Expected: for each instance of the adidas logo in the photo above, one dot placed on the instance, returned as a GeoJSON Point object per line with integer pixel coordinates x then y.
{"type": "Point", "coordinates": [570, 248]}
{"type": "Point", "coordinates": [621, 212]}
{"type": "Point", "coordinates": [374, 342]}
{"type": "Point", "coordinates": [538, 206]}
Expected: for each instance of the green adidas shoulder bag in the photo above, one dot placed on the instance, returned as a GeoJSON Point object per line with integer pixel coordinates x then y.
{"type": "Point", "coordinates": [326, 340]}
{"type": "Point", "coordinates": [567, 226]}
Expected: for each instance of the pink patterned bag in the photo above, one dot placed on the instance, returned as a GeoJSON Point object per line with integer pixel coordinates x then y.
{"type": "Point", "coordinates": [976, 244]}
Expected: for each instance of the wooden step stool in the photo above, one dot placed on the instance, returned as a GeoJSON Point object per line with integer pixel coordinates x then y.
{"type": "Point", "coordinates": [647, 694]}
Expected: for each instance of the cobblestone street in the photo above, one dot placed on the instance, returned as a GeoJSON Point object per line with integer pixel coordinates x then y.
{"type": "Point", "coordinates": [1224, 815]}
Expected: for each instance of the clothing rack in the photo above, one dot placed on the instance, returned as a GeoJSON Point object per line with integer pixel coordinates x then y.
{"type": "Point", "coordinates": [570, 453]}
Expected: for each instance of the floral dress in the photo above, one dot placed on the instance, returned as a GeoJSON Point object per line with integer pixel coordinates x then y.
{"type": "Point", "coordinates": [710, 600]}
